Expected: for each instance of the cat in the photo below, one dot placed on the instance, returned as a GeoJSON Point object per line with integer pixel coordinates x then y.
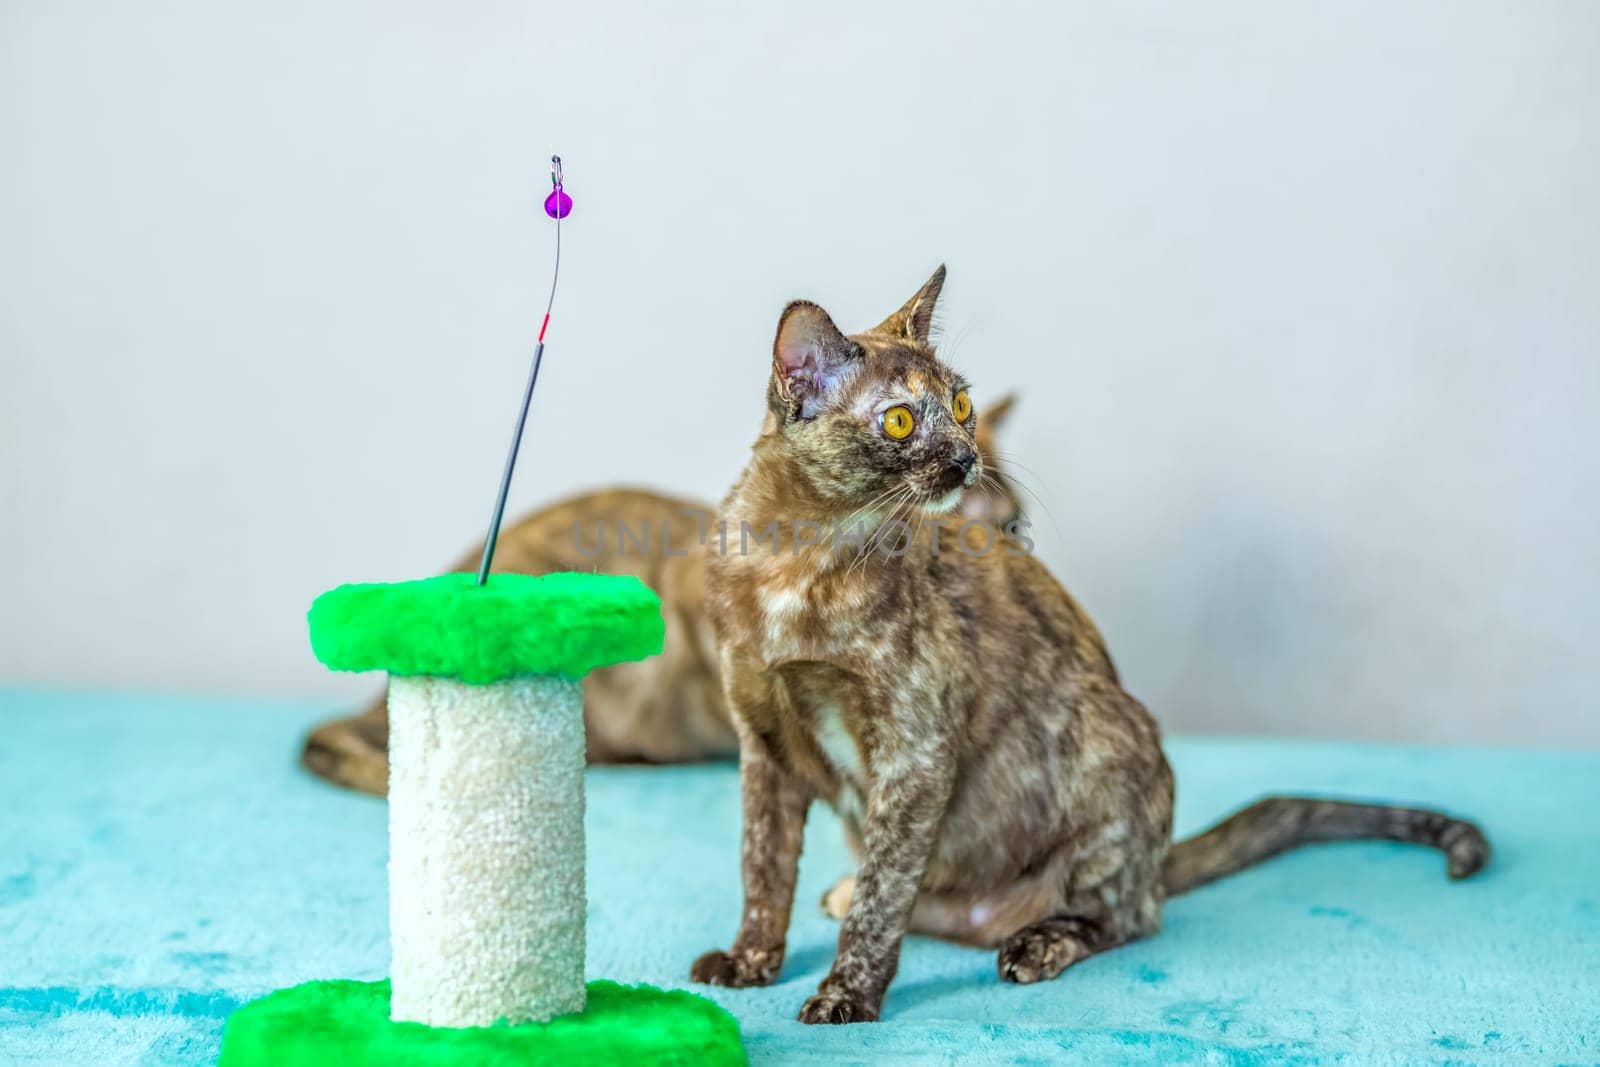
{"type": "Point", "coordinates": [666, 709]}
{"type": "Point", "coordinates": [955, 706]}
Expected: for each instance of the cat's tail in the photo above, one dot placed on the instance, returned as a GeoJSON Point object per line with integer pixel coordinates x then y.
{"type": "Point", "coordinates": [1278, 824]}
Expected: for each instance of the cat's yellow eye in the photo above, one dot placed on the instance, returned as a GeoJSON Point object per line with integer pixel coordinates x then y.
{"type": "Point", "coordinates": [961, 406]}
{"type": "Point", "coordinates": [898, 422]}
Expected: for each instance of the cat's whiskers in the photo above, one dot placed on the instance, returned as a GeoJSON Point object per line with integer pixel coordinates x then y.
{"type": "Point", "coordinates": [1013, 461]}
{"type": "Point", "coordinates": [921, 514]}
{"type": "Point", "coordinates": [915, 509]}
{"type": "Point", "coordinates": [860, 515]}
{"type": "Point", "coordinates": [864, 545]}
{"type": "Point", "coordinates": [866, 508]}
{"type": "Point", "coordinates": [993, 483]}
{"type": "Point", "coordinates": [904, 494]}
{"type": "Point", "coordinates": [1016, 480]}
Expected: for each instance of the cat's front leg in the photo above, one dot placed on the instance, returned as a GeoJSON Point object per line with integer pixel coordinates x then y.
{"type": "Point", "coordinates": [905, 806]}
{"type": "Point", "coordinates": [775, 805]}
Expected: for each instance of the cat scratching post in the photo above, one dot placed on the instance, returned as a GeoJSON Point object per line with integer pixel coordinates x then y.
{"type": "Point", "coordinates": [486, 758]}
{"type": "Point", "coordinates": [486, 850]}
{"type": "Point", "coordinates": [486, 868]}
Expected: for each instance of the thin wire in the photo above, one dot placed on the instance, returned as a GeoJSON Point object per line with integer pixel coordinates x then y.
{"type": "Point", "coordinates": [555, 275]}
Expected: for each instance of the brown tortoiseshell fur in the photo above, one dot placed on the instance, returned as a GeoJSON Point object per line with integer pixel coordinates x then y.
{"type": "Point", "coordinates": [951, 701]}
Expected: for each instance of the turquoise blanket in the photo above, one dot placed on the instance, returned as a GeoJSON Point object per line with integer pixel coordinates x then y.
{"type": "Point", "coordinates": [163, 860]}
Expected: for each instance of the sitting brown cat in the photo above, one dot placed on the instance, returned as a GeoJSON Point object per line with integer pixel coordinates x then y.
{"type": "Point", "coordinates": [939, 688]}
{"type": "Point", "coordinates": [666, 709]}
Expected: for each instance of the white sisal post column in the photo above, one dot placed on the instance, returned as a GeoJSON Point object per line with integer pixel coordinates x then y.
{"type": "Point", "coordinates": [486, 890]}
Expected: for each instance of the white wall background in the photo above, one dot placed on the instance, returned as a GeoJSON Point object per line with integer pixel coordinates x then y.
{"type": "Point", "coordinates": [1304, 300]}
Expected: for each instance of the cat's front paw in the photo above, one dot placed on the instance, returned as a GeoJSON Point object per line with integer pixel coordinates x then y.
{"type": "Point", "coordinates": [835, 1006]}
{"type": "Point", "coordinates": [736, 969]}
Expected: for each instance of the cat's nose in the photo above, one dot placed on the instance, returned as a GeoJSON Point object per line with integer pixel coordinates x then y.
{"type": "Point", "coordinates": [963, 461]}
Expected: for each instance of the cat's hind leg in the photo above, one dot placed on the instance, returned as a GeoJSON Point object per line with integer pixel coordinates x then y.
{"type": "Point", "coordinates": [1113, 897]}
{"type": "Point", "coordinates": [1042, 950]}
{"type": "Point", "coordinates": [979, 919]}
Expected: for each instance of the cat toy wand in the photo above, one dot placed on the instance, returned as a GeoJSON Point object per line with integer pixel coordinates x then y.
{"type": "Point", "coordinates": [558, 205]}
{"type": "Point", "coordinates": [486, 847]}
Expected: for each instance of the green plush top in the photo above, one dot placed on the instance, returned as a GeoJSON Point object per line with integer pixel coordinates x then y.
{"type": "Point", "coordinates": [563, 624]}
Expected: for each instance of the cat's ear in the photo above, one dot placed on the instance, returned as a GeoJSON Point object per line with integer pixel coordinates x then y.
{"type": "Point", "coordinates": [990, 418]}
{"type": "Point", "coordinates": [810, 357]}
{"type": "Point", "coordinates": [915, 317]}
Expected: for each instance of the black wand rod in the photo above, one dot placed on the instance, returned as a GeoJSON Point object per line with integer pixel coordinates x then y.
{"type": "Point", "coordinates": [558, 206]}
{"type": "Point", "coordinates": [511, 465]}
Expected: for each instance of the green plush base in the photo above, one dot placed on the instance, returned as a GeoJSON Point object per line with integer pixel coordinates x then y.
{"type": "Point", "coordinates": [347, 1023]}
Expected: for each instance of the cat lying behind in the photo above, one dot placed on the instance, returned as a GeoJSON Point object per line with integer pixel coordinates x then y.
{"type": "Point", "coordinates": [667, 709]}
{"type": "Point", "coordinates": [950, 701]}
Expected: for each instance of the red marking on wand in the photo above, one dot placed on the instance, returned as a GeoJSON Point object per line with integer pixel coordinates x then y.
{"type": "Point", "coordinates": [544, 326]}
